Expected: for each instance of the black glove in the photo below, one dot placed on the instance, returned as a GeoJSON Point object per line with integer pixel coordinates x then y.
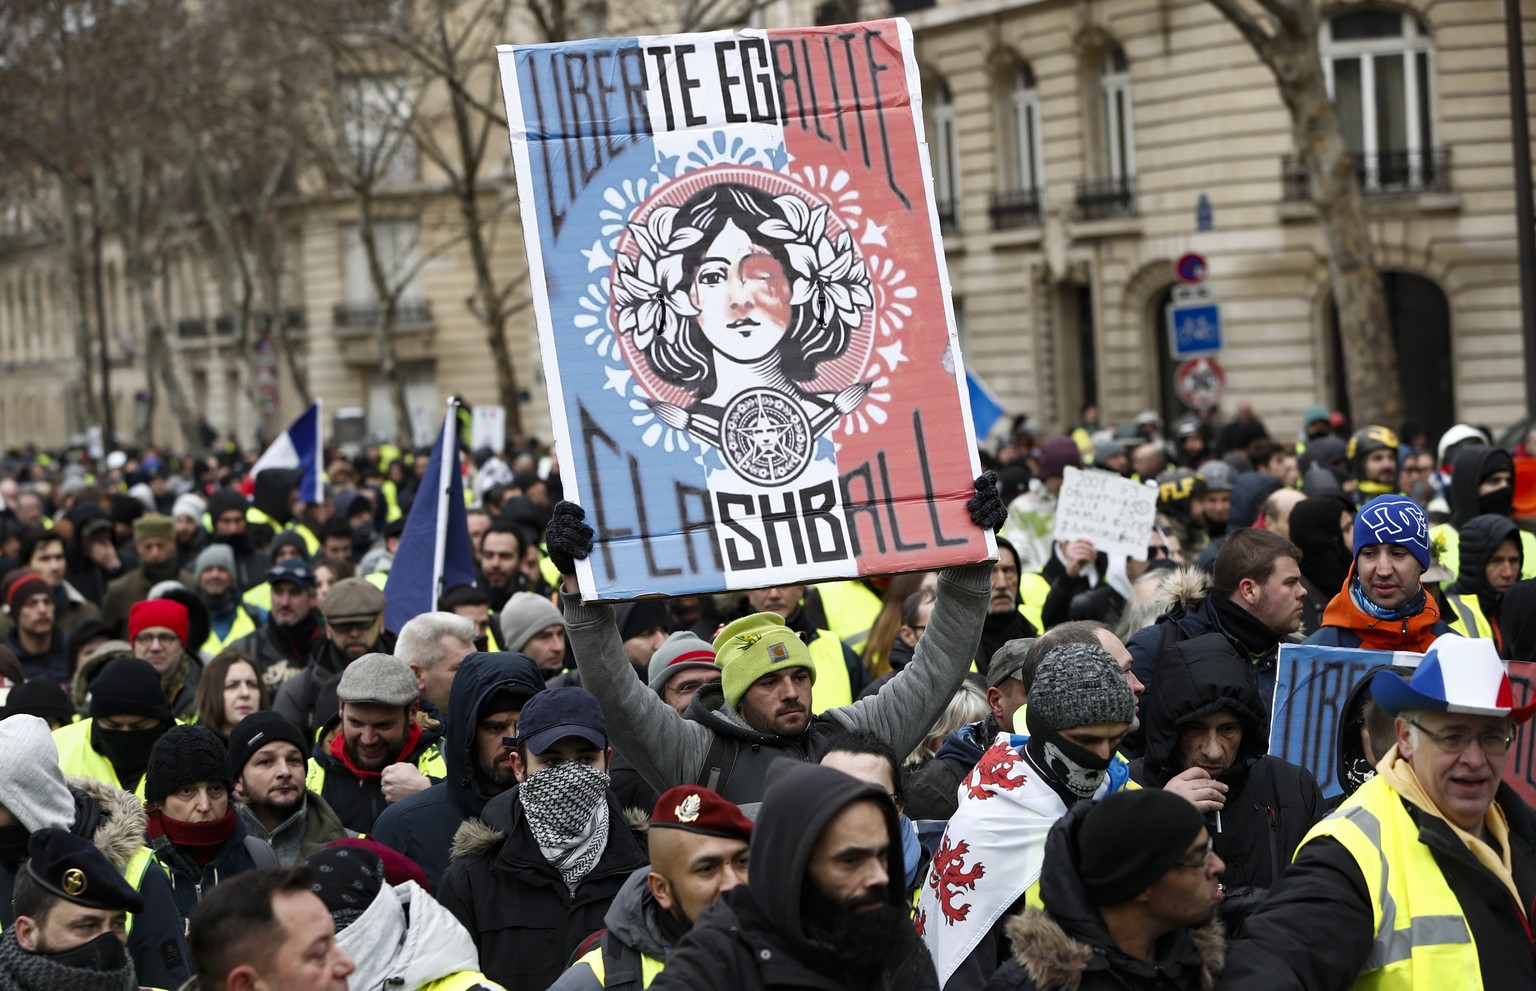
{"type": "Point", "coordinates": [567, 538]}
{"type": "Point", "coordinates": [986, 506]}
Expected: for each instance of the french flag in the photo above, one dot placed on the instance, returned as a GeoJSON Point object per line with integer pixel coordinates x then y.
{"type": "Point", "coordinates": [298, 448]}
{"type": "Point", "coordinates": [434, 550]}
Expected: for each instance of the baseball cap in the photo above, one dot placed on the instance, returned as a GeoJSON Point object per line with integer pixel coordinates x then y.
{"type": "Point", "coordinates": [556, 713]}
{"type": "Point", "coordinates": [292, 571]}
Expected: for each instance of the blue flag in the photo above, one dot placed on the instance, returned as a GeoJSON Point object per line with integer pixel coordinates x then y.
{"type": "Point", "coordinates": [985, 408]}
{"type": "Point", "coordinates": [434, 552]}
{"type": "Point", "coordinates": [298, 448]}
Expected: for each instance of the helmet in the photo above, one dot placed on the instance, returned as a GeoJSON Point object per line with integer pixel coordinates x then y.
{"type": "Point", "coordinates": [1175, 487]}
{"type": "Point", "coordinates": [1149, 418]}
{"type": "Point", "coordinates": [1215, 476]}
{"type": "Point", "coordinates": [1368, 439]}
{"type": "Point", "coordinates": [1461, 433]}
{"type": "Point", "coordinates": [1188, 427]}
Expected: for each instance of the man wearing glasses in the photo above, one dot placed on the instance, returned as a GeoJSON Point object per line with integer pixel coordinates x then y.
{"type": "Point", "coordinates": [157, 631]}
{"type": "Point", "coordinates": [1425, 876]}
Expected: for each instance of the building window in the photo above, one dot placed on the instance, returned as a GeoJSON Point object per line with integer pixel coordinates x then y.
{"type": "Point", "coordinates": [376, 122]}
{"type": "Point", "coordinates": [944, 146]}
{"type": "Point", "coordinates": [1119, 136]}
{"type": "Point", "coordinates": [1018, 203]}
{"type": "Point", "coordinates": [399, 247]}
{"type": "Point", "coordinates": [1378, 65]}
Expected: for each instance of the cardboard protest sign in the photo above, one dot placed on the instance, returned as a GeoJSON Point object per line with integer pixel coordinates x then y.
{"type": "Point", "coordinates": [1115, 513]}
{"type": "Point", "coordinates": [1312, 685]}
{"type": "Point", "coordinates": [742, 306]}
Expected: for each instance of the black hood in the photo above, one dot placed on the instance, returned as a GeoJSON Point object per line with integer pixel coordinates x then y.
{"type": "Point", "coordinates": [479, 676]}
{"type": "Point", "coordinates": [1195, 678]}
{"type": "Point", "coordinates": [1325, 558]}
{"type": "Point", "coordinates": [1480, 537]}
{"type": "Point", "coordinates": [799, 802]}
{"type": "Point", "coordinates": [1471, 466]}
{"type": "Point", "coordinates": [1350, 749]}
{"type": "Point", "coordinates": [1062, 890]}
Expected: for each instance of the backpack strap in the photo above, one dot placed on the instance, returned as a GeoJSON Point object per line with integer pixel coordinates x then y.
{"type": "Point", "coordinates": [718, 765]}
{"type": "Point", "coordinates": [621, 964]}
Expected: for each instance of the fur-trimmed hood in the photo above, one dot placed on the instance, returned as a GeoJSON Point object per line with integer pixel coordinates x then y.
{"type": "Point", "coordinates": [119, 818]}
{"type": "Point", "coordinates": [478, 838]}
{"type": "Point", "coordinates": [1056, 961]}
{"type": "Point", "coordinates": [1186, 588]}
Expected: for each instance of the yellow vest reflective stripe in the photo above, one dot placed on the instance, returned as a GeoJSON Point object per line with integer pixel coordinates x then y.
{"type": "Point", "coordinates": [242, 627]}
{"type": "Point", "coordinates": [851, 609]}
{"type": "Point", "coordinates": [430, 763]}
{"type": "Point", "coordinates": [1468, 620]}
{"type": "Point", "coordinates": [650, 967]}
{"type": "Point", "coordinates": [1033, 590]}
{"type": "Point", "coordinates": [462, 981]}
{"type": "Point", "coordinates": [391, 493]}
{"type": "Point", "coordinates": [138, 865]}
{"type": "Point", "coordinates": [1422, 940]}
{"type": "Point", "coordinates": [77, 756]}
{"type": "Point", "coordinates": [832, 689]}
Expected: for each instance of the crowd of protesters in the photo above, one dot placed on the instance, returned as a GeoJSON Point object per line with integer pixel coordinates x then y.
{"type": "Point", "coordinates": [219, 769]}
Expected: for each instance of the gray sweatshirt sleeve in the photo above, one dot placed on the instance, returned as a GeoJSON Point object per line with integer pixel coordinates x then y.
{"type": "Point", "coordinates": [902, 711]}
{"type": "Point", "coordinates": [665, 748]}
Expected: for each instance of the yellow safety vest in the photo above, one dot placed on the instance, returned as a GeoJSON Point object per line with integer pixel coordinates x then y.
{"type": "Point", "coordinates": [1422, 939]}
{"type": "Point", "coordinates": [1033, 590]}
{"type": "Point", "coordinates": [548, 570]}
{"type": "Point", "coordinates": [1451, 555]}
{"type": "Point", "coordinates": [378, 579]}
{"type": "Point", "coordinates": [851, 610]}
{"type": "Point", "coordinates": [242, 627]}
{"type": "Point", "coordinates": [1468, 618]}
{"type": "Point", "coordinates": [832, 689]}
{"type": "Point", "coordinates": [259, 597]}
{"type": "Point", "coordinates": [650, 967]}
{"type": "Point", "coordinates": [430, 763]}
{"type": "Point", "coordinates": [462, 981]}
{"type": "Point", "coordinates": [77, 756]}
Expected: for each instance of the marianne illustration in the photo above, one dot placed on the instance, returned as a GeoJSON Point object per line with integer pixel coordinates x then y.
{"type": "Point", "coordinates": [737, 297]}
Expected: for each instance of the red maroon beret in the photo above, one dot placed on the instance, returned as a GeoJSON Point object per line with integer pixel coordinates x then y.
{"type": "Point", "coordinates": [699, 810]}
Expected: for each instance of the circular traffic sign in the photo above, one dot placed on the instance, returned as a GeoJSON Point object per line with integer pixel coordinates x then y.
{"type": "Point", "coordinates": [1190, 268]}
{"type": "Point", "coordinates": [1200, 383]}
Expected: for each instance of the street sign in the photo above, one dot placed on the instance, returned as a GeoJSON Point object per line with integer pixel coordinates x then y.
{"type": "Point", "coordinates": [1190, 268]}
{"type": "Point", "coordinates": [1204, 218]}
{"type": "Point", "coordinates": [1194, 322]}
{"type": "Point", "coordinates": [1200, 383]}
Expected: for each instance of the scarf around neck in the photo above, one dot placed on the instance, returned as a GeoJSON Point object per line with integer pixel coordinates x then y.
{"type": "Point", "coordinates": [200, 841]}
{"type": "Point", "coordinates": [567, 811]}
{"type": "Point", "coordinates": [39, 972]}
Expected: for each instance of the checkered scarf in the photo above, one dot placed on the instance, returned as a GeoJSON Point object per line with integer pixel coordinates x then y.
{"type": "Point", "coordinates": [567, 811]}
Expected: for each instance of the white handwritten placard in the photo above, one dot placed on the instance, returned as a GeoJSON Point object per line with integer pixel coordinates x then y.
{"type": "Point", "coordinates": [1115, 513]}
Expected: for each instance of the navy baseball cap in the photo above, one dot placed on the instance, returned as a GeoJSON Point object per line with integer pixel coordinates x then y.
{"type": "Point", "coordinates": [293, 571]}
{"type": "Point", "coordinates": [556, 713]}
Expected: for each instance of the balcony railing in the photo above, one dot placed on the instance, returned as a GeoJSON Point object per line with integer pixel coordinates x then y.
{"type": "Point", "coordinates": [355, 318]}
{"type": "Point", "coordinates": [1104, 199]}
{"type": "Point", "coordinates": [949, 216]}
{"type": "Point", "coordinates": [1014, 208]}
{"type": "Point", "coordinates": [191, 329]}
{"type": "Point", "coordinates": [1383, 173]}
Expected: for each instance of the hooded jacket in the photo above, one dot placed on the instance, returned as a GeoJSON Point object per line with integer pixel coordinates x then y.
{"type": "Point", "coordinates": [1270, 803]}
{"type": "Point", "coordinates": [514, 902]}
{"type": "Point", "coordinates": [753, 937]}
{"type": "Point", "coordinates": [1481, 536]}
{"type": "Point", "coordinates": [631, 921]}
{"type": "Point", "coordinates": [1344, 625]}
{"type": "Point", "coordinates": [422, 826]}
{"type": "Point", "coordinates": [1471, 465]}
{"type": "Point", "coordinates": [404, 940]}
{"type": "Point", "coordinates": [1325, 558]}
{"type": "Point", "coordinates": [1066, 947]}
{"type": "Point", "coordinates": [359, 800]}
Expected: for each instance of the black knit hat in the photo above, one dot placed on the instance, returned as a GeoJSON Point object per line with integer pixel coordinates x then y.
{"type": "Point", "coordinates": [1114, 870]}
{"type": "Point", "coordinates": [129, 687]}
{"type": "Point", "coordinates": [183, 756]}
{"type": "Point", "coordinates": [256, 731]}
{"type": "Point", "coordinates": [39, 697]}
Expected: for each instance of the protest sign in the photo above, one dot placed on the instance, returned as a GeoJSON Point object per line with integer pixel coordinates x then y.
{"type": "Point", "coordinates": [1115, 513]}
{"type": "Point", "coordinates": [743, 311]}
{"type": "Point", "coordinates": [1312, 685]}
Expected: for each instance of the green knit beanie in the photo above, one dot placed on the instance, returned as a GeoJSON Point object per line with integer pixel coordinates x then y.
{"type": "Point", "coordinates": [754, 646]}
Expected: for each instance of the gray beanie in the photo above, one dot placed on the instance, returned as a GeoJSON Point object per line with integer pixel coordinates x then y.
{"type": "Point", "coordinates": [32, 786]}
{"type": "Point", "coordinates": [683, 651]}
{"type": "Point", "coordinates": [524, 615]}
{"type": "Point", "coordinates": [214, 556]}
{"type": "Point", "coordinates": [1079, 684]}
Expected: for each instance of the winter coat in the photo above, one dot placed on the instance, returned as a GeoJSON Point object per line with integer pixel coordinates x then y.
{"type": "Point", "coordinates": [422, 825]}
{"type": "Point", "coordinates": [1270, 803]}
{"type": "Point", "coordinates": [1317, 928]}
{"type": "Point", "coordinates": [632, 923]}
{"type": "Point", "coordinates": [754, 938]}
{"type": "Point", "coordinates": [115, 821]}
{"type": "Point", "coordinates": [1066, 947]}
{"type": "Point", "coordinates": [358, 800]}
{"type": "Point", "coordinates": [670, 750]}
{"type": "Point", "coordinates": [190, 882]}
{"type": "Point", "coordinates": [278, 654]}
{"type": "Point", "coordinates": [312, 826]}
{"type": "Point", "coordinates": [52, 663]}
{"type": "Point", "coordinates": [515, 903]}
{"type": "Point", "coordinates": [299, 695]}
{"type": "Point", "coordinates": [405, 941]}
{"type": "Point", "coordinates": [1344, 625]}
{"type": "Point", "coordinates": [129, 588]}
{"type": "Point", "coordinates": [933, 789]}
{"type": "Point", "coordinates": [1481, 536]}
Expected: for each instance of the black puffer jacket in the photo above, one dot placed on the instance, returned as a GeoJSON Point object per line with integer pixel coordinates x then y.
{"type": "Point", "coordinates": [1270, 803]}
{"type": "Point", "coordinates": [514, 902]}
{"type": "Point", "coordinates": [1066, 947]}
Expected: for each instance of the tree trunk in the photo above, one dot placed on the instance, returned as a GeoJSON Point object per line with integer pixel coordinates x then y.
{"type": "Point", "coordinates": [86, 400]}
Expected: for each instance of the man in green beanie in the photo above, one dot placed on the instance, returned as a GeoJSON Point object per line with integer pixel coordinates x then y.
{"type": "Point", "coordinates": [762, 709]}
{"type": "Point", "coordinates": [154, 537]}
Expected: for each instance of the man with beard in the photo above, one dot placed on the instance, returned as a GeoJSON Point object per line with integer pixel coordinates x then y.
{"type": "Point", "coordinates": [1134, 916]}
{"type": "Point", "coordinates": [380, 723]}
{"type": "Point", "coordinates": [43, 551]}
{"type": "Point", "coordinates": [1079, 710]}
{"type": "Point", "coordinates": [266, 762]}
{"type": "Point", "coordinates": [35, 795]}
{"type": "Point", "coordinates": [535, 874]}
{"type": "Point", "coordinates": [354, 626]}
{"type": "Point", "coordinates": [501, 558]}
{"type": "Point", "coordinates": [839, 674]}
{"type": "Point", "coordinates": [488, 696]}
{"type": "Point", "coordinates": [699, 849]}
{"type": "Point", "coordinates": [824, 905]}
{"type": "Point", "coordinates": [158, 632]}
{"type": "Point", "coordinates": [229, 619]}
{"type": "Point", "coordinates": [37, 643]}
{"type": "Point", "coordinates": [71, 920]}
{"type": "Point", "coordinates": [1372, 454]}
{"type": "Point", "coordinates": [293, 627]}
{"type": "Point", "coordinates": [1004, 622]}
{"type": "Point", "coordinates": [154, 538]}
{"type": "Point", "coordinates": [128, 713]}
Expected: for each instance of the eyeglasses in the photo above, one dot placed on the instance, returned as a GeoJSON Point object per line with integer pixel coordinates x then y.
{"type": "Point", "coordinates": [691, 687]}
{"type": "Point", "coordinates": [1204, 860]}
{"type": "Point", "coordinates": [147, 638]}
{"type": "Point", "coordinates": [1493, 744]}
{"type": "Point", "coordinates": [1157, 550]}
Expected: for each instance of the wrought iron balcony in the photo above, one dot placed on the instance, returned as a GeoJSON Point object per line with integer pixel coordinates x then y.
{"type": "Point", "coordinates": [352, 319]}
{"type": "Point", "coordinates": [1104, 199]}
{"type": "Point", "coordinates": [1383, 173]}
{"type": "Point", "coordinates": [1014, 208]}
{"type": "Point", "coordinates": [191, 328]}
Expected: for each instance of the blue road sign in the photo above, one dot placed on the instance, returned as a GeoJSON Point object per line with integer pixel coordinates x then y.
{"type": "Point", "coordinates": [1195, 327]}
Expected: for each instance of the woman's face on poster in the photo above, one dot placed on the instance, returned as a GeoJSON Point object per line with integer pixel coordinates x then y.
{"type": "Point", "coordinates": [742, 295]}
